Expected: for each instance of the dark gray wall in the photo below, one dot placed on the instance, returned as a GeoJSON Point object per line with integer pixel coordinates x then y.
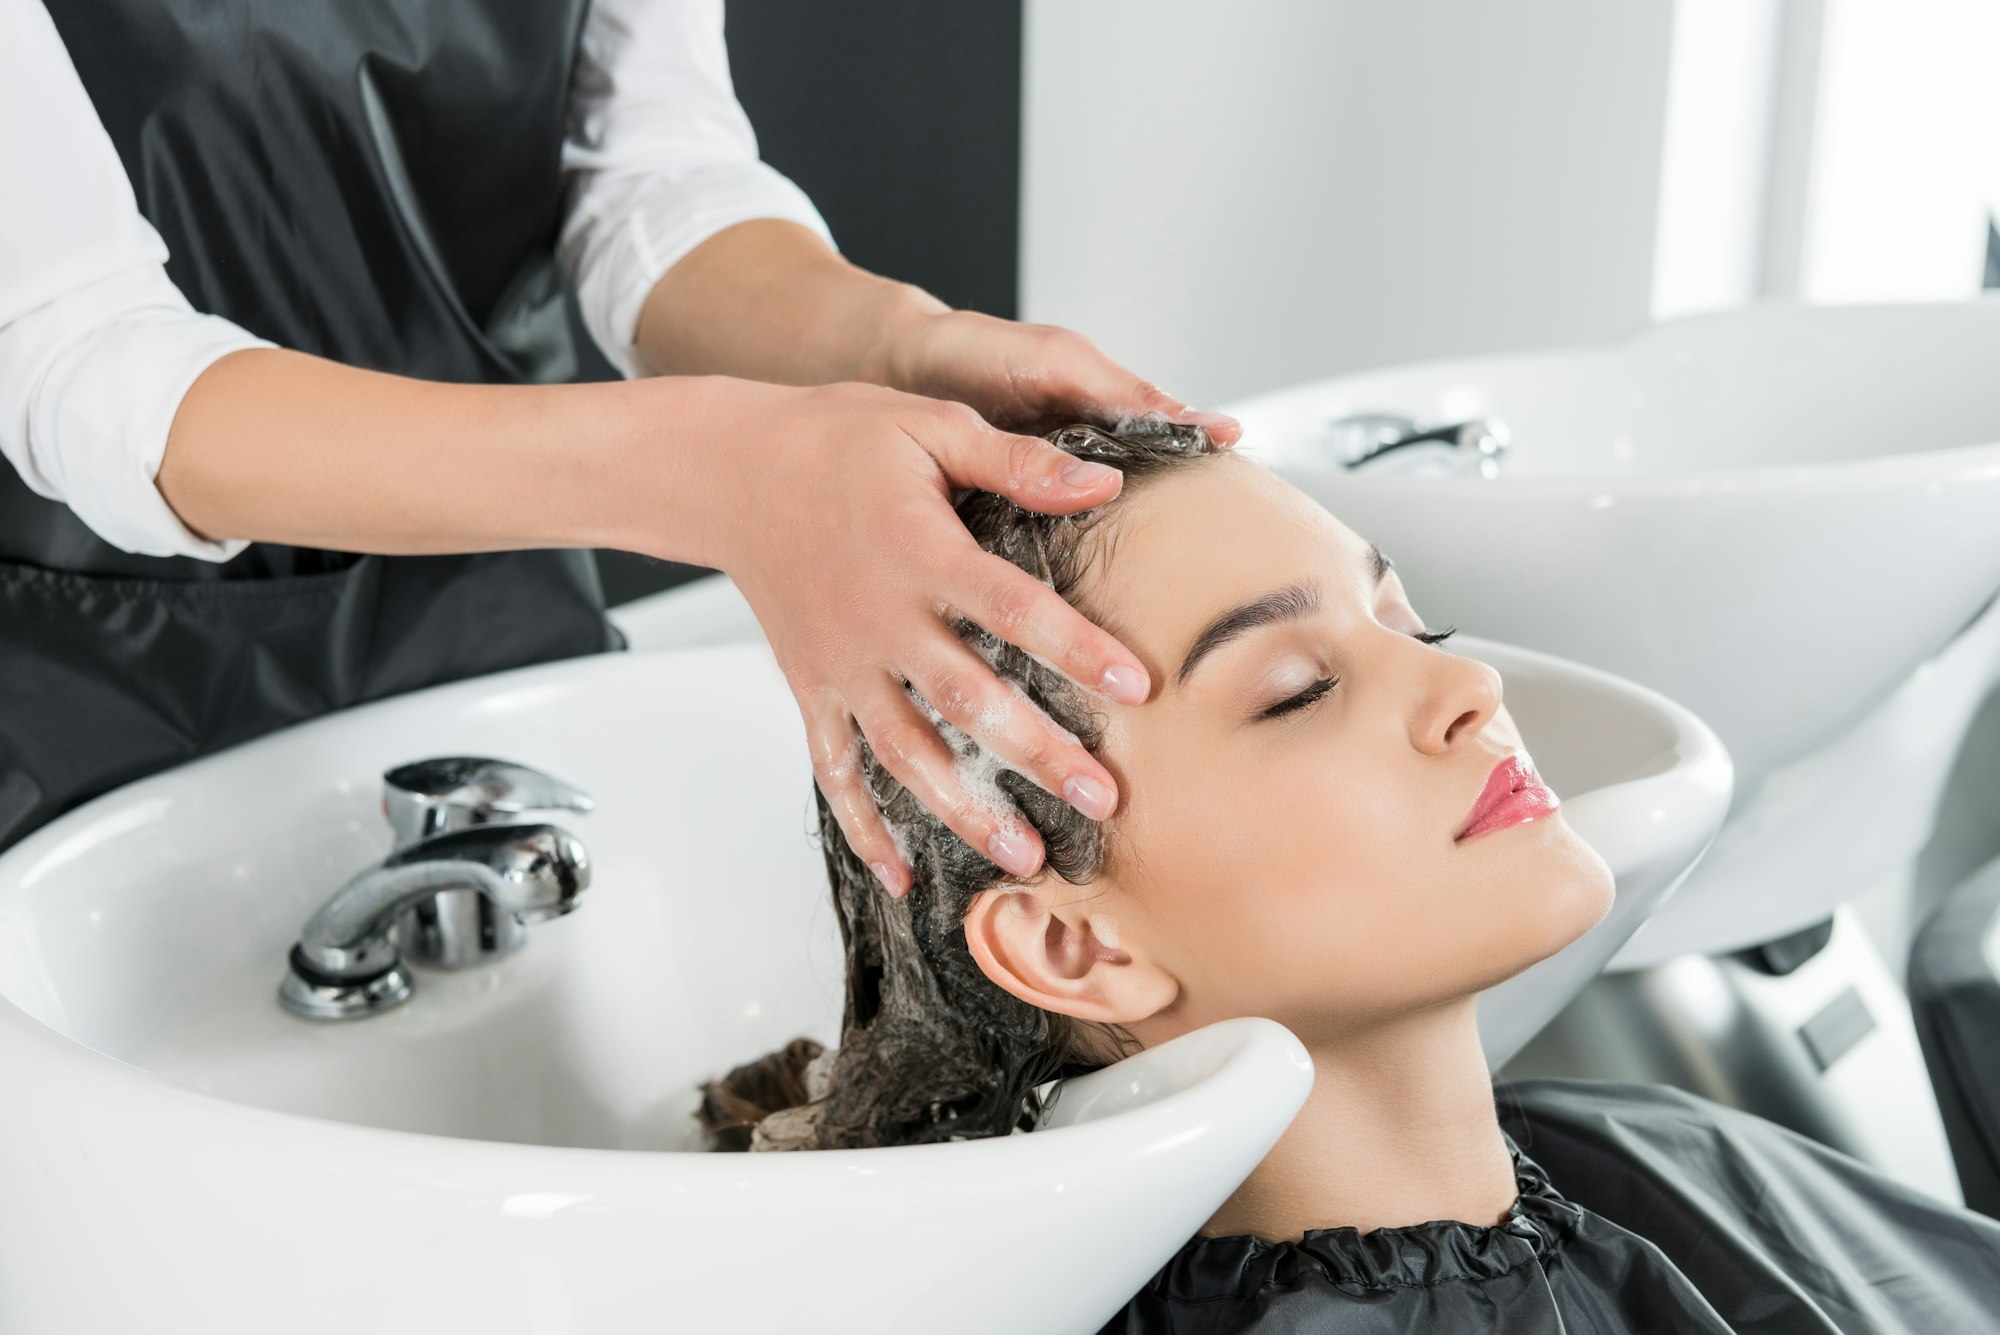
{"type": "Point", "coordinates": [903, 122]}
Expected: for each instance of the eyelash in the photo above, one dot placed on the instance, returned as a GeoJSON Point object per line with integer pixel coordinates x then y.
{"type": "Point", "coordinates": [1310, 696]}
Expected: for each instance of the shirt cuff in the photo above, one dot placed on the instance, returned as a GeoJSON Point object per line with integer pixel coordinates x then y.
{"type": "Point", "coordinates": [624, 235]}
{"type": "Point", "coordinates": [99, 414]}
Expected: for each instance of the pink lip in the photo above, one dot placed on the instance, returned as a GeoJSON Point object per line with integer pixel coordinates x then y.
{"type": "Point", "coordinates": [1512, 796]}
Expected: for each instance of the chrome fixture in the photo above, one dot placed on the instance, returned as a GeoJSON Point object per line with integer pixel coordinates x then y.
{"type": "Point", "coordinates": [456, 890]}
{"type": "Point", "coordinates": [456, 929]}
{"type": "Point", "coordinates": [1362, 438]}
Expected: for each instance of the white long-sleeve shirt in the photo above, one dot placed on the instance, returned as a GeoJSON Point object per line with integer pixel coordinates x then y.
{"type": "Point", "coordinates": [98, 347]}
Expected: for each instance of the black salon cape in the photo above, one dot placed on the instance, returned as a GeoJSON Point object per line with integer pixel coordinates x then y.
{"type": "Point", "coordinates": [1642, 1209]}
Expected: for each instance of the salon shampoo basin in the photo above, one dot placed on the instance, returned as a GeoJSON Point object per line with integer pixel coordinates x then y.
{"type": "Point", "coordinates": [512, 1150]}
{"type": "Point", "coordinates": [1787, 518]}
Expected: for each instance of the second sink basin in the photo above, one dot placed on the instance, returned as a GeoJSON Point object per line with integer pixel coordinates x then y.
{"type": "Point", "coordinates": [1771, 515]}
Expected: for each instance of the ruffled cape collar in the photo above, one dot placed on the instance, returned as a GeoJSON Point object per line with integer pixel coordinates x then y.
{"type": "Point", "coordinates": [1385, 1258]}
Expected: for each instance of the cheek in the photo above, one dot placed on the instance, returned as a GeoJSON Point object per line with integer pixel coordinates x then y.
{"type": "Point", "coordinates": [1280, 866]}
{"type": "Point", "coordinates": [1308, 886]}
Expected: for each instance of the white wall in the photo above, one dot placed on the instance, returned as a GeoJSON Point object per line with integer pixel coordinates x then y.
{"type": "Point", "coordinates": [1231, 195]}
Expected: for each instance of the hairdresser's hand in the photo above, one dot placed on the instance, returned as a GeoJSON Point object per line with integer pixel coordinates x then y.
{"type": "Point", "coordinates": [1020, 373]}
{"type": "Point", "coordinates": [837, 525]}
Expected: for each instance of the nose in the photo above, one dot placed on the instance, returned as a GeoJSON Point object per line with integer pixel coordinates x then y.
{"type": "Point", "coordinates": [1459, 697]}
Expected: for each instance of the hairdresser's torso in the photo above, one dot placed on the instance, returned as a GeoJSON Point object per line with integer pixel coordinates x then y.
{"type": "Point", "coordinates": [374, 182]}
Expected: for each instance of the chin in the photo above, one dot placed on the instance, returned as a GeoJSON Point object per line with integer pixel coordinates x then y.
{"type": "Point", "coordinates": [1584, 889]}
{"type": "Point", "coordinates": [1563, 892]}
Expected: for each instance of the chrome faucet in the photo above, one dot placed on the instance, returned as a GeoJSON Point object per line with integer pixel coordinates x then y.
{"type": "Point", "coordinates": [456, 929]}
{"type": "Point", "coordinates": [1363, 438]}
{"type": "Point", "coordinates": [456, 890]}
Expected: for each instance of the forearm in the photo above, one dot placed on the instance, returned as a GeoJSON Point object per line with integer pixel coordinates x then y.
{"type": "Point", "coordinates": [278, 446]}
{"type": "Point", "coordinates": [769, 300]}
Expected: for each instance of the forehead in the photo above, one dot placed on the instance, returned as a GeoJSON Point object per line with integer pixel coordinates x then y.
{"type": "Point", "coordinates": [1194, 541]}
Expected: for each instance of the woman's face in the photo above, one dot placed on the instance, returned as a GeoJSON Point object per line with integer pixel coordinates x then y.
{"type": "Point", "coordinates": [1294, 792]}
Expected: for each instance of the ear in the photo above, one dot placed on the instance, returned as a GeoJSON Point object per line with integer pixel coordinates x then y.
{"type": "Point", "coordinates": [1039, 942]}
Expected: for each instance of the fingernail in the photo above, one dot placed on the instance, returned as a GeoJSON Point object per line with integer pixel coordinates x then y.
{"type": "Point", "coordinates": [1125, 685]}
{"type": "Point", "coordinates": [1085, 473]}
{"type": "Point", "coordinates": [1209, 421]}
{"type": "Point", "coordinates": [890, 881]}
{"type": "Point", "coordinates": [1011, 851]}
{"type": "Point", "coordinates": [1089, 796]}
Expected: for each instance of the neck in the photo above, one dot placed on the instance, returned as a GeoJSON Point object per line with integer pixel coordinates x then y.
{"type": "Point", "coordinates": [1400, 1129]}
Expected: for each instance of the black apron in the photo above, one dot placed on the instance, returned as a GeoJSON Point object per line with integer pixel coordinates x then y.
{"type": "Point", "coordinates": [374, 181]}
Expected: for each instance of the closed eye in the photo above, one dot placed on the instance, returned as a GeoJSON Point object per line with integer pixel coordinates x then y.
{"type": "Point", "coordinates": [1311, 695]}
{"type": "Point", "coordinates": [1303, 700]}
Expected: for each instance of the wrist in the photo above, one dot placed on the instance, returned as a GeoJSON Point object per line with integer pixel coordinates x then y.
{"type": "Point", "coordinates": [695, 451]}
{"type": "Point", "coordinates": [768, 300]}
{"type": "Point", "coordinates": [889, 356]}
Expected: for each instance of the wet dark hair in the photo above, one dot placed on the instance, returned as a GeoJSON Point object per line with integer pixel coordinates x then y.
{"type": "Point", "coordinates": [931, 1049]}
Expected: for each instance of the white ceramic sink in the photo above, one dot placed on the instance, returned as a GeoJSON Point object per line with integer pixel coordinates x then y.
{"type": "Point", "coordinates": [506, 1152]}
{"type": "Point", "coordinates": [177, 1154]}
{"type": "Point", "coordinates": [1779, 517]}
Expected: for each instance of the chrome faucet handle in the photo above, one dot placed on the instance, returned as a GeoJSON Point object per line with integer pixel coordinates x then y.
{"type": "Point", "coordinates": [455, 929]}
{"type": "Point", "coordinates": [1360, 436]}
{"type": "Point", "coordinates": [430, 797]}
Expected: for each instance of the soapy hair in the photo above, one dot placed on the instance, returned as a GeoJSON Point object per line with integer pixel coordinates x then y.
{"type": "Point", "coordinates": [931, 1049]}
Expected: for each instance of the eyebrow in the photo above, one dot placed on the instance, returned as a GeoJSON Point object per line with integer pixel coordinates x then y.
{"type": "Point", "coordinates": [1290, 603]}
